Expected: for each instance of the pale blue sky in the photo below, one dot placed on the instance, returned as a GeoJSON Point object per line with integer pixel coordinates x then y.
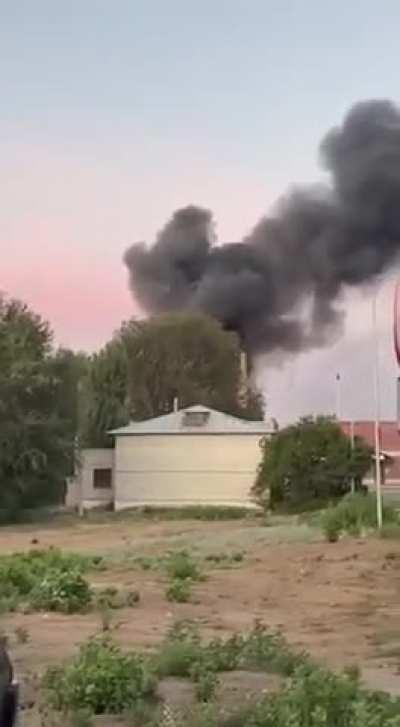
{"type": "Point", "coordinates": [115, 113]}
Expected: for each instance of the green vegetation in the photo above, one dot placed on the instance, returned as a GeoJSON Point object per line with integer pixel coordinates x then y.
{"type": "Point", "coordinates": [64, 591]}
{"type": "Point", "coordinates": [181, 565]}
{"type": "Point", "coordinates": [102, 679]}
{"type": "Point", "coordinates": [179, 590]}
{"type": "Point", "coordinates": [309, 462]}
{"type": "Point", "coordinates": [356, 514]}
{"type": "Point", "coordinates": [46, 579]}
{"type": "Point", "coordinates": [38, 417]}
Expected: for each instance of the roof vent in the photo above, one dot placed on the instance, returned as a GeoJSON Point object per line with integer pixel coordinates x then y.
{"type": "Point", "coordinates": [195, 418]}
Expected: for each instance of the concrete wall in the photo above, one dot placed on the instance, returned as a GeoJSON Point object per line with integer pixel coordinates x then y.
{"type": "Point", "coordinates": [173, 470]}
{"type": "Point", "coordinates": [80, 488]}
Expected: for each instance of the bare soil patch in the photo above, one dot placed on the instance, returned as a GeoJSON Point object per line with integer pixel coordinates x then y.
{"type": "Point", "coordinates": [340, 602]}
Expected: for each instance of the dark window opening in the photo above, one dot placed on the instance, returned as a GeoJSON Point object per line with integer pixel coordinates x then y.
{"type": "Point", "coordinates": [102, 479]}
{"type": "Point", "coordinates": [195, 418]}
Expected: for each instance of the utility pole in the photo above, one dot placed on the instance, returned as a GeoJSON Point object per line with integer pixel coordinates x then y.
{"type": "Point", "coordinates": [352, 483]}
{"type": "Point", "coordinates": [338, 397]}
{"type": "Point", "coordinates": [378, 477]}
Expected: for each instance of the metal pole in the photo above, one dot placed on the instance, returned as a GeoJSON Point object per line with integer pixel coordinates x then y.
{"type": "Point", "coordinates": [338, 397]}
{"type": "Point", "coordinates": [352, 484]}
{"type": "Point", "coordinates": [378, 479]}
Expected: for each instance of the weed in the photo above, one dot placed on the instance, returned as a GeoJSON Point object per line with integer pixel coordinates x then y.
{"type": "Point", "coordinates": [22, 573]}
{"type": "Point", "coordinates": [179, 591]}
{"type": "Point", "coordinates": [21, 634]}
{"type": "Point", "coordinates": [206, 680]}
{"type": "Point", "coordinates": [63, 591]}
{"type": "Point", "coordinates": [355, 514]}
{"type": "Point", "coordinates": [181, 565]}
{"type": "Point", "coordinates": [180, 650]}
{"type": "Point", "coordinates": [101, 679]}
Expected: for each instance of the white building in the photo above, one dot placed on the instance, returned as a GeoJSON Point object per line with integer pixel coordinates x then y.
{"type": "Point", "coordinates": [195, 456]}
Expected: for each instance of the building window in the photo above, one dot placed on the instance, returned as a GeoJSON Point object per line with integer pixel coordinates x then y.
{"type": "Point", "coordinates": [195, 418]}
{"type": "Point", "coordinates": [102, 479]}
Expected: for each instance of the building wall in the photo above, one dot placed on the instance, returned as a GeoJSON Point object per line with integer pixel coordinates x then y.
{"type": "Point", "coordinates": [80, 489]}
{"type": "Point", "coordinates": [173, 470]}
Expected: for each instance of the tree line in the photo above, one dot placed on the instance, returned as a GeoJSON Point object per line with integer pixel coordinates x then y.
{"type": "Point", "coordinates": [54, 401]}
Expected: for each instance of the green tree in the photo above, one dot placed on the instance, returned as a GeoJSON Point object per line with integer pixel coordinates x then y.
{"type": "Point", "coordinates": [187, 356]}
{"type": "Point", "coordinates": [308, 462]}
{"type": "Point", "coordinates": [36, 446]}
{"type": "Point", "coordinates": [104, 394]}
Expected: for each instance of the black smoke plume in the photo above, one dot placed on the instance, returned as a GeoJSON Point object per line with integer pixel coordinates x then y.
{"type": "Point", "coordinates": [279, 287]}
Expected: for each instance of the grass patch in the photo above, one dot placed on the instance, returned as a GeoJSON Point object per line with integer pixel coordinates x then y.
{"type": "Point", "coordinates": [355, 515]}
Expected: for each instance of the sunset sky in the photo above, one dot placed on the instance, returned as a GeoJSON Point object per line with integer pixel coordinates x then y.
{"type": "Point", "coordinates": [116, 113]}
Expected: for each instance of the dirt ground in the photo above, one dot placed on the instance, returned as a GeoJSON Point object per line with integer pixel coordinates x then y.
{"type": "Point", "coordinates": [340, 602]}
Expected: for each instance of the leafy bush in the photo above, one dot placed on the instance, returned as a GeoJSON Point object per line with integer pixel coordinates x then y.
{"type": "Point", "coordinates": [179, 591]}
{"type": "Point", "coordinates": [101, 678]}
{"type": "Point", "coordinates": [307, 462]}
{"type": "Point", "coordinates": [181, 565]}
{"type": "Point", "coordinates": [317, 698]}
{"type": "Point", "coordinates": [63, 591]}
{"type": "Point", "coordinates": [355, 514]}
{"type": "Point", "coordinates": [206, 681]}
{"type": "Point", "coordinates": [21, 574]}
{"type": "Point", "coordinates": [180, 650]}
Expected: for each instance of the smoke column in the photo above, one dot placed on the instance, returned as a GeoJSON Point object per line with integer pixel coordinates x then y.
{"type": "Point", "coordinates": [279, 287]}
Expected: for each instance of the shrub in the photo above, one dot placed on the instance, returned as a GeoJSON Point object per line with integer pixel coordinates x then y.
{"type": "Point", "coordinates": [101, 679]}
{"type": "Point", "coordinates": [181, 565]}
{"type": "Point", "coordinates": [355, 514]}
{"type": "Point", "coordinates": [179, 591]}
{"type": "Point", "coordinates": [21, 574]}
{"type": "Point", "coordinates": [206, 681]}
{"type": "Point", "coordinates": [180, 650]}
{"type": "Point", "coordinates": [309, 461]}
{"type": "Point", "coordinates": [62, 591]}
{"type": "Point", "coordinates": [318, 698]}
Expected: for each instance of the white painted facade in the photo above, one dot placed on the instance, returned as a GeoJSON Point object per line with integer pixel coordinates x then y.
{"type": "Point", "coordinates": [81, 490]}
{"type": "Point", "coordinates": [196, 456]}
{"type": "Point", "coordinates": [175, 470]}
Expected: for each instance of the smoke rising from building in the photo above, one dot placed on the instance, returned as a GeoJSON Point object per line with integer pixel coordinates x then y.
{"type": "Point", "coordinates": [279, 288]}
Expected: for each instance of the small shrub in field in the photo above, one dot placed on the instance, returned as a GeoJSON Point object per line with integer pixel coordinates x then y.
{"type": "Point", "coordinates": [331, 525]}
{"type": "Point", "coordinates": [21, 634]}
{"type": "Point", "coordinates": [63, 591]}
{"type": "Point", "coordinates": [180, 650]}
{"type": "Point", "coordinates": [20, 573]}
{"type": "Point", "coordinates": [101, 679]}
{"type": "Point", "coordinates": [355, 514]}
{"type": "Point", "coordinates": [318, 698]}
{"type": "Point", "coordinates": [179, 591]}
{"type": "Point", "coordinates": [181, 566]}
{"type": "Point", "coordinates": [206, 681]}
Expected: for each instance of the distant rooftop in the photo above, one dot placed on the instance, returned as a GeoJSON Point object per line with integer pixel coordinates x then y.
{"type": "Point", "coordinates": [196, 420]}
{"type": "Point", "coordinates": [389, 431]}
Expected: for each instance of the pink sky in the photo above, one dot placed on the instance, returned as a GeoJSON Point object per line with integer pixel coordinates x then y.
{"type": "Point", "coordinates": [69, 217]}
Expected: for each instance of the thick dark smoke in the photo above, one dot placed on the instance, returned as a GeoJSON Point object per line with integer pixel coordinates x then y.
{"type": "Point", "coordinates": [279, 287]}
